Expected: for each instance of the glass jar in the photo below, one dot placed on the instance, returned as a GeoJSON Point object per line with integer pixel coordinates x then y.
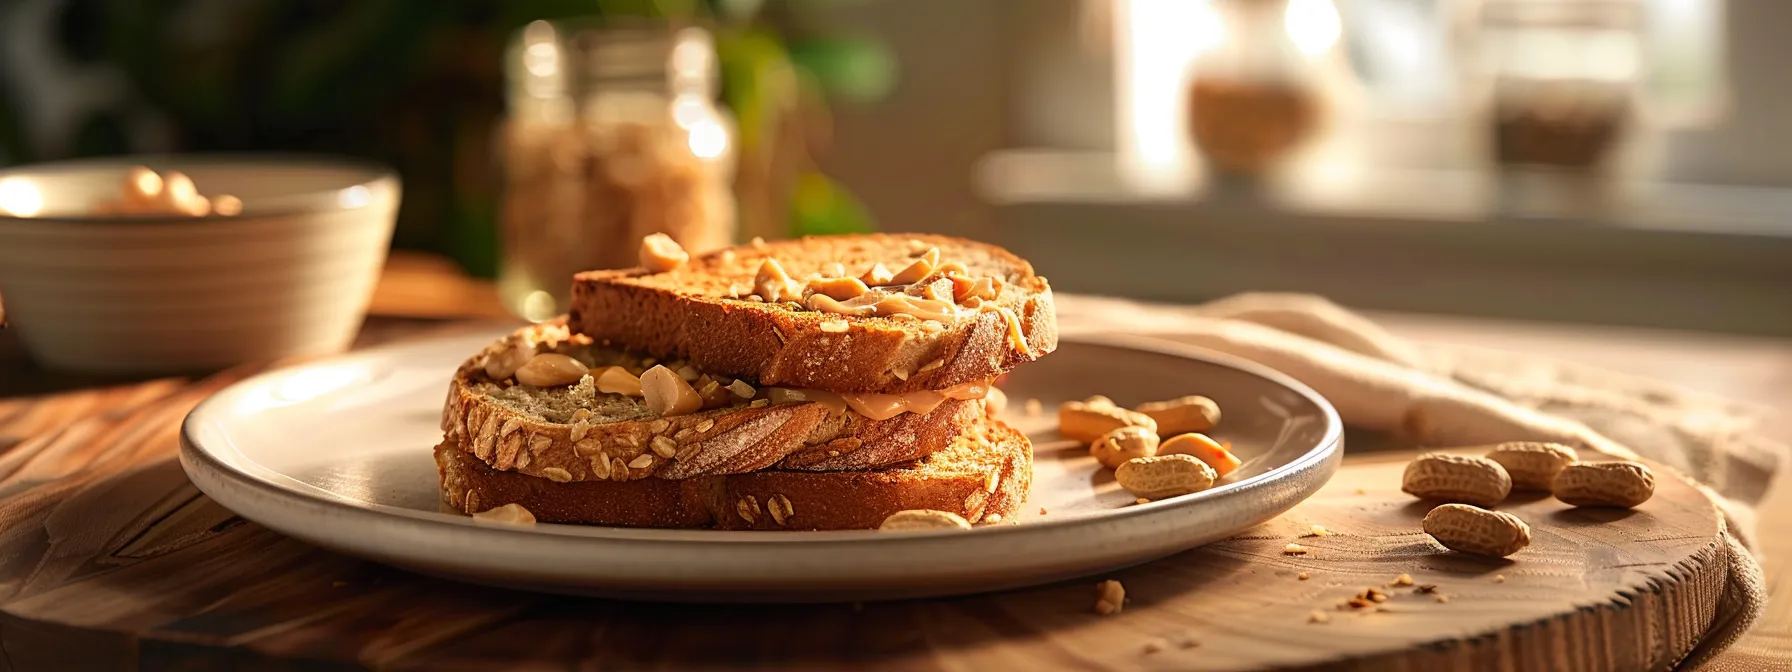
{"type": "Point", "coordinates": [1256, 92]}
{"type": "Point", "coordinates": [1560, 77]}
{"type": "Point", "coordinates": [612, 134]}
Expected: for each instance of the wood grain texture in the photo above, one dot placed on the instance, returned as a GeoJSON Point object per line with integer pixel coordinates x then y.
{"type": "Point", "coordinates": [109, 559]}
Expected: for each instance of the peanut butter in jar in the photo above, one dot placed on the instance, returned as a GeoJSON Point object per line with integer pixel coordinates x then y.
{"type": "Point", "coordinates": [1245, 128]}
{"type": "Point", "coordinates": [612, 135]}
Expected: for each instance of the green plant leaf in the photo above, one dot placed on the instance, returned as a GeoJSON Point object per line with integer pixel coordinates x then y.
{"type": "Point", "coordinates": [851, 69]}
{"type": "Point", "coordinates": [758, 83]}
{"type": "Point", "coordinates": [820, 206]}
{"type": "Point", "coordinates": [739, 11]}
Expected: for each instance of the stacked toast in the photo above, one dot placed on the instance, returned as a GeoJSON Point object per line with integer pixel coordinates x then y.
{"type": "Point", "coordinates": [821, 383]}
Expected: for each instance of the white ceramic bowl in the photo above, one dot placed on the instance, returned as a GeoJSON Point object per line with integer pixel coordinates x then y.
{"type": "Point", "coordinates": [291, 275]}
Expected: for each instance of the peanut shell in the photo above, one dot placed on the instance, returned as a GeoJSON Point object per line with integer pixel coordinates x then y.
{"type": "Point", "coordinates": [1456, 478]}
{"type": "Point", "coordinates": [1470, 529]}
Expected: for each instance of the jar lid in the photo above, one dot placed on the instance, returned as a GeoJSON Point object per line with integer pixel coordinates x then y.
{"type": "Point", "coordinates": [1565, 14]}
{"type": "Point", "coordinates": [565, 57]}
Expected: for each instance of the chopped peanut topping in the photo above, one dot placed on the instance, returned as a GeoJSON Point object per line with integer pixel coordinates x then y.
{"type": "Point", "coordinates": [660, 253]}
{"type": "Point", "coordinates": [772, 284]}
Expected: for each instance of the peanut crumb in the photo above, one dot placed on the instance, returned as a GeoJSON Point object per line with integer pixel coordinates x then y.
{"type": "Point", "coordinates": [1041, 510]}
{"type": "Point", "coordinates": [1294, 549]}
{"type": "Point", "coordinates": [1499, 578]}
{"type": "Point", "coordinates": [1402, 580]}
{"type": "Point", "coordinates": [1154, 646]}
{"type": "Point", "coordinates": [1370, 597]}
{"type": "Point", "coordinates": [1141, 500]}
{"type": "Point", "coordinates": [1303, 576]}
{"type": "Point", "coordinates": [993, 518]}
{"type": "Point", "coordinates": [1318, 531]}
{"type": "Point", "coordinates": [1361, 491]}
{"type": "Point", "coordinates": [510, 514]}
{"type": "Point", "coordinates": [1319, 617]}
{"type": "Point", "coordinates": [1441, 598]}
{"type": "Point", "coordinates": [1110, 597]}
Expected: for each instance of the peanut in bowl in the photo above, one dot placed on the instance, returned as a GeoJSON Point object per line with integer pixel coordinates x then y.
{"type": "Point", "coordinates": [184, 263]}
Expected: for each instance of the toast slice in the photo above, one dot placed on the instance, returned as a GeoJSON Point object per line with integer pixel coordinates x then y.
{"type": "Point", "coordinates": [969, 313]}
{"type": "Point", "coordinates": [577, 433]}
{"type": "Point", "coordinates": [984, 476]}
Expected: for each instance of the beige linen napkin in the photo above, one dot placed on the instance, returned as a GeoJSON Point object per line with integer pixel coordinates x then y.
{"type": "Point", "coordinates": [1454, 396]}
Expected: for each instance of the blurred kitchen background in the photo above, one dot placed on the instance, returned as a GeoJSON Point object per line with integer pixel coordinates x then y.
{"type": "Point", "coordinates": [1601, 161]}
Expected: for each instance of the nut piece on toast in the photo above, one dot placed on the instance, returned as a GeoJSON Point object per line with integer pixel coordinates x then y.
{"type": "Point", "coordinates": [550, 370]}
{"type": "Point", "coordinates": [667, 393]}
{"type": "Point", "coordinates": [660, 253]}
{"type": "Point", "coordinates": [926, 326]}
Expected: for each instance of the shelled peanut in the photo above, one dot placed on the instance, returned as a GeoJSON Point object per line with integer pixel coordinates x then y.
{"type": "Point", "coordinates": [924, 519]}
{"type": "Point", "coordinates": [1157, 445]}
{"type": "Point", "coordinates": [1182, 415]}
{"type": "Point", "coordinates": [1202, 448]}
{"type": "Point", "coordinates": [1126, 443]}
{"type": "Point", "coordinates": [1086, 421]}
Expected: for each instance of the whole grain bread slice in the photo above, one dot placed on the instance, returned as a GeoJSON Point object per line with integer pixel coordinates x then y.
{"type": "Point", "coordinates": [577, 433]}
{"type": "Point", "coordinates": [984, 476]}
{"type": "Point", "coordinates": [706, 311]}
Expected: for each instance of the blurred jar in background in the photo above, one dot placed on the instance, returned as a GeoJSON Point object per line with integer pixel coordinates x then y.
{"type": "Point", "coordinates": [1561, 78]}
{"type": "Point", "coordinates": [1256, 93]}
{"type": "Point", "coordinates": [612, 134]}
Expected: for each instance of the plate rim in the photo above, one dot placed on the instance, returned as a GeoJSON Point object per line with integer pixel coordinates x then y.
{"type": "Point", "coordinates": [193, 454]}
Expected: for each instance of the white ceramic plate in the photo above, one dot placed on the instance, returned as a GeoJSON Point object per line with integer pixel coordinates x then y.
{"type": "Point", "coordinates": [338, 453]}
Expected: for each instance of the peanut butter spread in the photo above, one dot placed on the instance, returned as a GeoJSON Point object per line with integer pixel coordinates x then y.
{"type": "Point", "coordinates": [878, 406]}
{"type": "Point", "coordinates": [677, 388]}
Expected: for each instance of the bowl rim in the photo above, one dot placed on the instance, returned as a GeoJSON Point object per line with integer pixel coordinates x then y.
{"type": "Point", "coordinates": [370, 174]}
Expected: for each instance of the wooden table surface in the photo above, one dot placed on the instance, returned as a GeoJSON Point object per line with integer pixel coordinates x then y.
{"type": "Point", "coordinates": [420, 296]}
{"type": "Point", "coordinates": [1751, 369]}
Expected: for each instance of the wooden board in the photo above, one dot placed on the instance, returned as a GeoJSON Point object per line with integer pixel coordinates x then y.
{"type": "Point", "coordinates": [109, 559]}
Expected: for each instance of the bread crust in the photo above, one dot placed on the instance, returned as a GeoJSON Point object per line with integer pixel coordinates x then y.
{"type": "Point", "coordinates": [737, 439]}
{"type": "Point", "coordinates": [687, 314]}
{"type": "Point", "coordinates": [992, 477]}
